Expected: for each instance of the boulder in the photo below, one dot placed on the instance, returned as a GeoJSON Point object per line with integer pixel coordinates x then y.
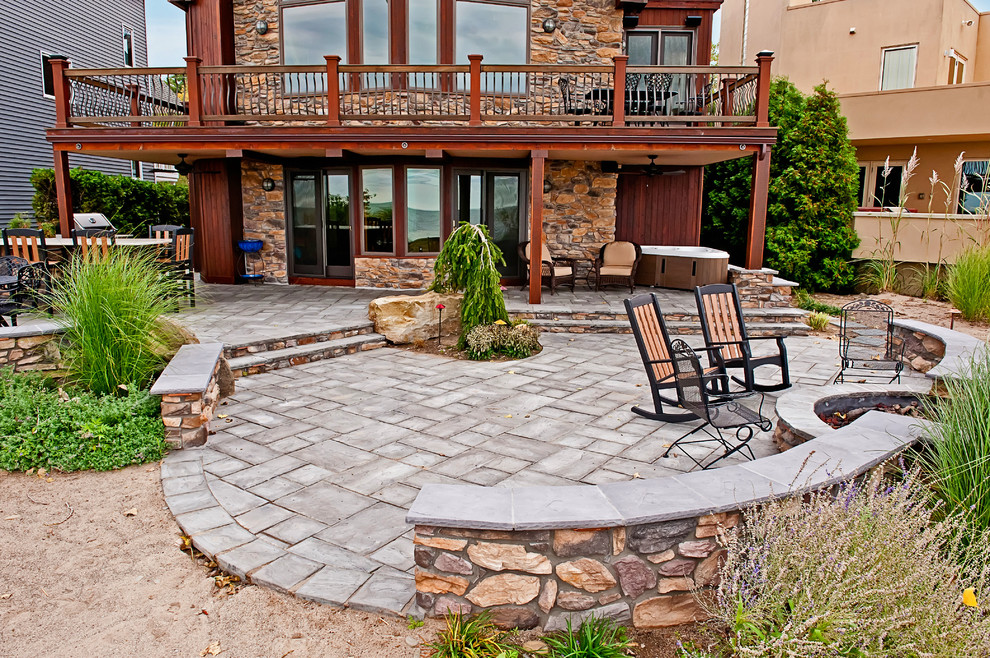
{"type": "Point", "coordinates": [406, 319]}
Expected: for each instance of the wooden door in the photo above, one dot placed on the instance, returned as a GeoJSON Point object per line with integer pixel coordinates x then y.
{"type": "Point", "coordinates": [659, 210]}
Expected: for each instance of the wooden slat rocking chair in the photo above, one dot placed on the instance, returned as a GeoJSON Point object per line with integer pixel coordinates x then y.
{"type": "Point", "coordinates": [653, 341]}
{"type": "Point", "coordinates": [723, 327]}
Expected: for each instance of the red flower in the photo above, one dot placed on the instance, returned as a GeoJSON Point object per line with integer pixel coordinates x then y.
{"type": "Point", "coordinates": [441, 306]}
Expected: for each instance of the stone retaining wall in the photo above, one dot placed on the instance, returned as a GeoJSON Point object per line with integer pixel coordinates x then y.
{"type": "Point", "coordinates": [405, 273]}
{"type": "Point", "coordinates": [191, 387]}
{"type": "Point", "coordinates": [644, 574]}
{"type": "Point", "coordinates": [761, 288]}
{"type": "Point", "coordinates": [29, 348]}
{"type": "Point", "coordinates": [921, 350]}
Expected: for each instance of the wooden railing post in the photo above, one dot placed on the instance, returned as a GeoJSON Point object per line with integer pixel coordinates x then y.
{"type": "Point", "coordinates": [763, 59]}
{"type": "Point", "coordinates": [62, 93]}
{"type": "Point", "coordinates": [194, 98]}
{"type": "Point", "coordinates": [726, 92]}
{"type": "Point", "coordinates": [619, 95]}
{"type": "Point", "coordinates": [333, 89]}
{"type": "Point", "coordinates": [475, 99]}
{"type": "Point", "coordinates": [134, 94]}
{"type": "Point", "coordinates": [63, 192]}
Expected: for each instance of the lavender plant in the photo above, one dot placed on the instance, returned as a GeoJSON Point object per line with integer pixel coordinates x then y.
{"type": "Point", "coordinates": [869, 570]}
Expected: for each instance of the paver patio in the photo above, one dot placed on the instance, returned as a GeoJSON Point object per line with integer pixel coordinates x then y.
{"type": "Point", "coordinates": [313, 468]}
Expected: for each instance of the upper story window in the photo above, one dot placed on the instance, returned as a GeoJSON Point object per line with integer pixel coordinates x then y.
{"type": "Point", "coordinates": [311, 31]}
{"type": "Point", "coordinates": [898, 67]}
{"type": "Point", "coordinates": [499, 32]}
{"type": "Point", "coordinates": [127, 38]}
{"type": "Point", "coordinates": [957, 66]}
{"type": "Point", "coordinates": [47, 77]}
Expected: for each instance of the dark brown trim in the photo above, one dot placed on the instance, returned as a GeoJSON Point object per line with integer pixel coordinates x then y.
{"type": "Point", "coordinates": [313, 281]}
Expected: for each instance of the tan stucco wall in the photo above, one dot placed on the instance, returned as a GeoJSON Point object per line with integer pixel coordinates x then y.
{"type": "Point", "coordinates": [812, 41]}
{"type": "Point", "coordinates": [919, 238]}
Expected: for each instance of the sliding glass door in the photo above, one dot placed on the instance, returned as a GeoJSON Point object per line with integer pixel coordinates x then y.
{"type": "Point", "coordinates": [496, 200]}
{"type": "Point", "coordinates": [321, 239]}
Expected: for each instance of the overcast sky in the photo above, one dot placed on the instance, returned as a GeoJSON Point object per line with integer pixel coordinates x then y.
{"type": "Point", "coordinates": [167, 31]}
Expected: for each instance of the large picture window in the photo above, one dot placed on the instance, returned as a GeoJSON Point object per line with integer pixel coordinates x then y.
{"type": "Point", "coordinates": [311, 31]}
{"type": "Point", "coordinates": [498, 32]}
{"type": "Point", "coordinates": [423, 219]}
{"type": "Point", "coordinates": [379, 227]}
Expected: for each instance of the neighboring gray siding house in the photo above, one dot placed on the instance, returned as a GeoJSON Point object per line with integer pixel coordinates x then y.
{"type": "Point", "coordinates": [91, 33]}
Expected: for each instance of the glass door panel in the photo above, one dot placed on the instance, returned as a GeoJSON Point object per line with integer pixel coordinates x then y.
{"type": "Point", "coordinates": [469, 205]}
{"type": "Point", "coordinates": [505, 195]}
{"type": "Point", "coordinates": [675, 50]}
{"type": "Point", "coordinates": [307, 253]}
{"type": "Point", "coordinates": [337, 221]}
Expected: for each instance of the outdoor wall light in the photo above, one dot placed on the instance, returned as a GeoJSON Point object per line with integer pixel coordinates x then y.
{"type": "Point", "coordinates": [268, 185]}
{"type": "Point", "coordinates": [549, 25]}
{"type": "Point", "coordinates": [692, 21]}
{"type": "Point", "coordinates": [261, 26]}
{"type": "Point", "coordinates": [183, 168]}
{"type": "Point", "coordinates": [547, 186]}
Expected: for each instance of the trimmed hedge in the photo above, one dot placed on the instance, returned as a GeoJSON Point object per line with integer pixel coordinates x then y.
{"type": "Point", "coordinates": [130, 204]}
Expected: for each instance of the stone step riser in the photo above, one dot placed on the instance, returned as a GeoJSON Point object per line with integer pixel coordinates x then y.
{"type": "Point", "coordinates": [788, 329]}
{"type": "Point", "coordinates": [247, 349]}
{"type": "Point", "coordinates": [277, 362]}
{"type": "Point", "coordinates": [769, 316]}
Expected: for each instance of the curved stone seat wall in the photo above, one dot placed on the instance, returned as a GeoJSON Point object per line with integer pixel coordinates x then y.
{"type": "Point", "coordinates": [31, 347]}
{"type": "Point", "coordinates": [631, 551]}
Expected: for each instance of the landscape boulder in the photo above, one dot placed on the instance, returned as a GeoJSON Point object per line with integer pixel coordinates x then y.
{"type": "Point", "coordinates": [406, 319]}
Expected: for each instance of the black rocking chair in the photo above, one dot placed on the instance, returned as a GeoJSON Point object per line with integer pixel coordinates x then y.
{"type": "Point", "coordinates": [653, 341]}
{"type": "Point", "coordinates": [866, 341]}
{"type": "Point", "coordinates": [719, 411]}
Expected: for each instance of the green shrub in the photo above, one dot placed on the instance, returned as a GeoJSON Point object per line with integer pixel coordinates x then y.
{"type": "Point", "coordinates": [471, 637]}
{"type": "Point", "coordinates": [129, 203]}
{"type": "Point", "coordinates": [19, 221]}
{"type": "Point", "coordinates": [595, 638]}
{"type": "Point", "coordinates": [803, 300]}
{"type": "Point", "coordinates": [968, 283]}
{"type": "Point", "coordinates": [862, 570]}
{"type": "Point", "coordinates": [468, 262]}
{"type": "Point", "coordinates": [958, 452]}
{"type": "Point", "coordinates": [43, 426]}
{"type": "Point", "coordinates": [817, 321]}
{"type": "Point", "coordinates": [488, 340]}
{"type": "Point", "coordinates": [112, 311]}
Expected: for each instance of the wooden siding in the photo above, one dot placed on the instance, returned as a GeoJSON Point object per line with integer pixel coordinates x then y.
{"type": "Point", "coordinates": [87, 32]}
{"type": "Point", "coordinates": [210, 31]}
{"type": "Point", "coordinates": [661, 210]}
{"type": "Point", "coordinates": [217, 216]}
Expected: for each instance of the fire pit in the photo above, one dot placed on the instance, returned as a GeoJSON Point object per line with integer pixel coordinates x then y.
{"type": "Point", "coordinates": [840, 411]}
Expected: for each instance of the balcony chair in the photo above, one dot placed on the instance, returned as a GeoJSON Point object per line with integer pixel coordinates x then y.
{"type": "Point", "coordinates": [657, 92]}
{"type": "Point", "coordinates": [554, 272]}
{"type": "Point", "coordinates": [20, 295]}
{"type": "Point", "coordinates": [722, 325]}
{"type": "Point", "coordinates": [180, 262]}
{"type": "Point", "coordinates": [93, 244]}
{"type": "Point", "coordinates": [719, 411]}
{"type": "Point", "coordinates": [867, 343]}
{"type": "Point", "coordinates": [573, 103]}
{"type": "Point", "coordinates": [653, 342]}
{"type": "Point", "coordinates": [616, 265]}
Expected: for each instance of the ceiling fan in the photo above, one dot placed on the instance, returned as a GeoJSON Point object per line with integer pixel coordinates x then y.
{"type": "Point", "coordinates": [653, 169]}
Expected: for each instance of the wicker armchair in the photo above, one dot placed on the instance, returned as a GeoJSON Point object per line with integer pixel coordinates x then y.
{"type": "Point", "coordinates": [554, 271]}
{"type": "Point", "coordinates": [616, 265]}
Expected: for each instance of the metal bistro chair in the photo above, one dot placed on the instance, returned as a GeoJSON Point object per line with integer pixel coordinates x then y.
{"type": "Point", "coordinates": [722, 325]}
{"type": "Point", "coordinates": [20, 285]}
{"type": "Point", "coordinates": [866, 341]}
{"type": "Point", "coordinates": [653, 341]}
{"type": "Point", "coordinates": [180, 262]}
{"type": "Point", "coordinates": [719, 411]}
{"type": "Point", "coordinates": [93, 244]}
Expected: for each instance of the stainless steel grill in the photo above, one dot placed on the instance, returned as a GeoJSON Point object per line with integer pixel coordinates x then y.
{"type": "Point", "coordinates": [92, 220]}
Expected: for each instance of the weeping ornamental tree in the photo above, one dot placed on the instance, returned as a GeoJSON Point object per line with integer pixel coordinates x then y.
{"type": "Point", "coordinates": [813, 185]}
{"type": "Point", "coordinates": [468, 263]}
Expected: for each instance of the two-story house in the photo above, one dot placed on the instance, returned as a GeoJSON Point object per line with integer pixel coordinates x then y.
{"type": "Point", "coordinates": [351, 136]}
{"type": "Point", "coordinates": [105, 34]}
{"type": "Point", "coordinates": [912, 73]}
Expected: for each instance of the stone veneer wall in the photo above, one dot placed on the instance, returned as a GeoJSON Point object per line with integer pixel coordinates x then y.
{"type": "Point", "coordinates": [757, 289]}
{"type": "Point", "coordinates": [579, 210]}
{"type": "Point", "coordinates": [407, 273]}
{"type": "Point", "coordinates": [921, 351]}
{"type": "Point", "coordinates": [37, 352]}
{"type": "Point", "coordinates": [643, 573]}
{"type": "Point", "coordinates": [187, 416]}
{"type": "Point", "coordinates": [264, 218]}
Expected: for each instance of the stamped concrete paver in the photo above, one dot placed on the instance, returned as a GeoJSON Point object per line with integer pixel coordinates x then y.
{"type": "Point", "coordinates": [320, 510]}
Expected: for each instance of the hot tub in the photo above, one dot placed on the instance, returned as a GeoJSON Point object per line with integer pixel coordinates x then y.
{"type": "Point", "coordinates": [681, 267]}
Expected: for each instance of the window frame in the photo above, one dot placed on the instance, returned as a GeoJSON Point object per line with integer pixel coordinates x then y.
{"type": "Point", "coordinates": [957, 68]}
{"type": "Point", "coordinates": [362, 243]}
{"type": "Point", "coordinates": [883, 63]}
{"type": "Point", "coordinates": [405, 209]}
{"type": "Point", "coordinates": [127, 35]}
{"type": "Point", "coordinates": [46, 68]}
{"type": "Point", "coordinates": [874, 168]}
{"type": "Point", "coordinates": [958, 187]}
{"type": "Point", "coordinates": [347, 57]}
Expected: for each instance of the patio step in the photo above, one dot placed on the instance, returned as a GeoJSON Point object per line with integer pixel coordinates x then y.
{"type": "Point", "coordinates": [336, 332]}
{"type": "Point", "coordinates": [770, 315]}
{"type": "Point", "coordinates": [296, 355]}
{"type": "Point", "coordinates": [678, 328]}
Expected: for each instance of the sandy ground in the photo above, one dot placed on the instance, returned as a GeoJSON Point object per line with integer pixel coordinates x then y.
{"type": "Point", "coordinates": [100, 583]}
{"type": "Point", "coordinates": [915, 308]}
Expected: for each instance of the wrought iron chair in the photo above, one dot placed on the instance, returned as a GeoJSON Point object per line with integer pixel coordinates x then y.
{"type": "Point", "coordinates": [722, 325]}
{"type": "Point", "coordinates": [653, 341]}
{"type": "Point", "coordinates": [867, 343]}
{"type": "Point", "coordinates": [554, 272]}
{"type": "Point", "coordinates": [721, 411]}
{"type": "Point", "coordinates": [616, 265]}
{"type": "Point", "coordinates": [571, 102]}
{"type": "Point", "coordinates": [21, 294]}
{"type": "Point", "coordinates": [93, 244]}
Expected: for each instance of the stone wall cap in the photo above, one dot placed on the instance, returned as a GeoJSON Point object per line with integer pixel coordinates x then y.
{"type": "Point", "coordinates": [462, 506]}
{"type": "Point", "coordinates": [655, 500]}
{"type": "Point", "coordinates": [783, 283]}
{"type": "Point", "coordinates": [762, 270]}
{"type": "Point", "coordinates": [44, 328]}
{"type": "Point", "coordinates": [551, 508]}
{"type": "Point", "coordinates": [190, 370]}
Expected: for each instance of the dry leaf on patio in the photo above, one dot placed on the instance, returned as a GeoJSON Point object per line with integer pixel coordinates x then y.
{"type": "Point", "coordinates": [212, 650]}
{"type": "Point", "coordinates": [12, 517]}
{"type": "Point", "coordinates": [222, 415]}
{"type": "Point", "coordinates": [131, 512]}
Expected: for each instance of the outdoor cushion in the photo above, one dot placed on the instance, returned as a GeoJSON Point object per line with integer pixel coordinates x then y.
{"type": "Point", "coordinates": [615, 270]}
{"type": "Point", "coordinates": [546, 253]}
{"type": "Point", "coordinates": [619, 254]}
{"type": "Point", "coordinates": [562, 271]}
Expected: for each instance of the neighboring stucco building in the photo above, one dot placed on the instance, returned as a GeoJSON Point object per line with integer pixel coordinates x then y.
{"type": "Point", "coordinates": [908, 72]}
{"type": "Point", "coordinates": [108, 34]}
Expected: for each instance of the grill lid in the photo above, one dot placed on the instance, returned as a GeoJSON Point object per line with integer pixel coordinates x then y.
{"type": "Point", "coordinates": [92, 220]}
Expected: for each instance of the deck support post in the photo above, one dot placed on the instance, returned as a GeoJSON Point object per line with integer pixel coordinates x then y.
{"type": "Point", "coordinates": [333, 89]}
{"type": "Point", "coordinates": [536, 227]}
{"type": "Point", "coordinates": [619, 93]}
{"type": "Point", "coordinates": [475, 97]}
{"type": "Point", "coordinates": [63, 192]}
{"type": "Point", "coordinates": [63, 95]}
{"type": "Point", "coordinates": [756, 235]}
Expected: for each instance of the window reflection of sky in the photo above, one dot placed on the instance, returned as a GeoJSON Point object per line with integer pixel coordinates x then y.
{"type": "Point", "coordinates": [422, 31]}
{"type": "Point", "coordinates": [498, 32]}
{"type": "Point", "coordinates": [423, 189]}
{"type": "Point", "coordinates": [313, 31]}
{"type": "Point", "coordinates": [375, 31]}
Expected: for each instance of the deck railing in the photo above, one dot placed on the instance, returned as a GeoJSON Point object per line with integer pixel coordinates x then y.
{"type": "Point", "coordinates": [473, 94]}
